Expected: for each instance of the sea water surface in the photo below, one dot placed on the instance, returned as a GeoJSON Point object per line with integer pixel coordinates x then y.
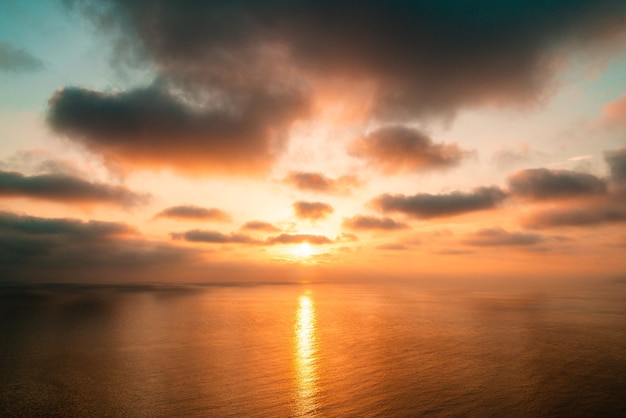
{"type": "Point", "coordinates": [319, 350]}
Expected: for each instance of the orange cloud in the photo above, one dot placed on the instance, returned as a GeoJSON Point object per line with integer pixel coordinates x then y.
{"type": "Point", "coordinates": [318, 182]}
{"type": "Point", "coordinates": [191, 212]}
{"type": "Point", "coordinates": [151, 128]}
{"type": "Point", "coordinates": [312, 210]}
{"type": "Point", "coordinates": [397, 148]}
{"type": "Point", "coordinates": [361, 222]}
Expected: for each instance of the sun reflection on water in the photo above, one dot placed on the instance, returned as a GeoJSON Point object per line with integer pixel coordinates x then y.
{"type": "Point", "coordinates": [306, 356]}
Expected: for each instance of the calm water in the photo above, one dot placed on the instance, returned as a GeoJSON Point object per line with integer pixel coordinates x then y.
{"type": "Point", "coordinates": [310, 350]}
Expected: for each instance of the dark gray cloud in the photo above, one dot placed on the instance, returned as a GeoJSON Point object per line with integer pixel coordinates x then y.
{"type": "Point", "coordinates": [299, 238]}
{"type": "Point", "coordinates": [424, 56]}
{"type": "Point", "coordinates": [545, 184]}
{"type": "Point", "coordinates": [495, 237]}
{"type": "Point", "coordinates": [31, 225]}
{"type": "Point", "coordinates": [191, 212]}
{"type": "Point", "coordinates": [150, 127]}
{"type": "Point", "coordinates": [259, 226]}
{"type": "Point", "coordinates": [213, 237]}
{"type": "Point", "coordinates": [15, 60]}
{"type": "Point", "coordinates": [361, 222]}
{"type": "Point", "coordinates": [398, 148]}
{"type": "Point", "coordinates": [318, 182]}
{"type": "Point", "coordinates": [312, 210]}
{"type": "Point", "coordinates": [576, 216]}
{"type": "Point", "coordinates": [616, 159]}
{"type": "Point", "coordinates": [65, 188]}
{"type": "Point", "coordinates": [423, 205]}
{"type": "Point", "coordinates": [40, 249]}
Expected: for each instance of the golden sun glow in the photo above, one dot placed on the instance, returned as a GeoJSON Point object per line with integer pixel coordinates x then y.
{"type": "Point", "coordinates": [304, 250]}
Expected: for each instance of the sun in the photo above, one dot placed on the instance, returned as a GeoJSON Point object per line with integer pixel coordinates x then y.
{"type": "Point", "coordinates": [304, 250]}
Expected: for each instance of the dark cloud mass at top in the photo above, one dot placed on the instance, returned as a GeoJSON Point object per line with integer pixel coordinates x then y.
{"type": "Point", "coordinates": [424, 56]}
{"type": "Point", "coordinates": [65, 188]}
{"type": "Point", "coordinates": [233, 75]}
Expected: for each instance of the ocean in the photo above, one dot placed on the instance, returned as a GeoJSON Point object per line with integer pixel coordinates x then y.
{"type": "Point", "coordinates": [310, 350]}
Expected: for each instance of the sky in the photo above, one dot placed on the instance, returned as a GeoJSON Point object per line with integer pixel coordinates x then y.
{"type": "Point", "coordinates": [292, 140]}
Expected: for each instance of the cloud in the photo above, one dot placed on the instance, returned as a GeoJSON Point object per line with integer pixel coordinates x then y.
{"type": "Point", "coordinates": [66, 188]}
{"type": "Point", "coordinates": [614, 114]}
{"type": "Point", "coordinates": [191, 212]}
{"type": "Point", "coordinates": [545, 184]}
{"type": "Point", "coordinates": [587, 216]}
{"type": "Point", "coordinates": [15, 60]}
{"type": "Point", "coordinates": [312, 210]}
{"type": "Point", "coordinates": [259, 226]}
{"type": "Point", "coordinates": [616, 159]}
{"type": "Point", "coordinates": [423, 205]}
{"type": "Point", "coordinates": [360, 222]}
{"type": "Point", "coordinates": [299, 238]}
{"type": "Point", "coordinates": [424, 57]}
{"type": "Point", "coordinates": [392, 247]}
{"type": "Point", "coordinates": [30, 225]}
{"type": "Point", "coordinates": [318, 182]}
{"type": "Point", "coordinates": [397, 148]}
{"type": "Point", "coordinates": [152, 128]}
{"type": "Point", "coordinates": [35, 248]}
{"type": "Point", "coordinates": [506, 157]}
{"type": "Point", "coordinates": [495, 237]}
{"type": "Point", "coordinates": [213, 237]}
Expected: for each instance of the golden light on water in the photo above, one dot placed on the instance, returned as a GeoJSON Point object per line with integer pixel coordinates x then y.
{"type": "Point", "coordinates": [306, 356]}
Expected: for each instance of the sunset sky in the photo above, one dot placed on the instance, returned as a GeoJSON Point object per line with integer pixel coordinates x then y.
{"type": "Point", "coordinates": [312, 140]}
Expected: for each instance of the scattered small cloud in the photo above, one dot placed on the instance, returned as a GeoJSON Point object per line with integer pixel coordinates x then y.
{"type": "Point", "coordinates": [299, 238]}
{"type": "Point", "coordinates": [312, 210]}
{"type": "Point", "coordinates": [495, 237]}
{"type": "Point", "coordinates": [318, 182]}
{"type": "Point", "coordinates": [196, 213]}
{"type": "Point", "coordinates": [395, 149]}
{"type": "Point", "coordinates": [424, 205]}
{"type": "Point", "coordinates": [362, 223]}
{"type": "Point", "coordinates": [392, 247]}
{"type": "Point", "coordinates": [545, 184]}
{"type": "Point", "coordinates": [213, 237]}
{"type": "Point", "coordinates": [259, 226]}
{"type": "Point", "coordinates": [575, 216]}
